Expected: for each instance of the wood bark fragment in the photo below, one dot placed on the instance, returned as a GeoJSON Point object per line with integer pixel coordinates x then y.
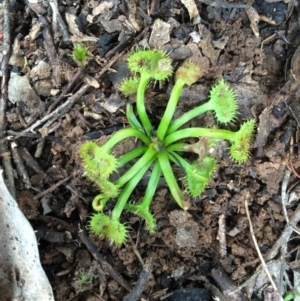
{"type": "Point", "coordinates": [21, 274]}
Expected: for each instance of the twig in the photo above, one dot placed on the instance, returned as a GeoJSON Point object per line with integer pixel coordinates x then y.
{"type": "Point", "coordinates": [42, 140]}
{"type": "Point", "coordinates": [85, 123]}
{"type": "Point", "coordinates": [60, 21]}
{"type": "Point", "coordinates": [135, 250]}
{"type": "Point", "coordinates": [284, 196]}
{"type": "Point", "coordinates": [12, 135]}
{"type": "Point", "coordinates": [250, 263]}
{"type": "Point", "coordinates": [214, 290]}
{"type": "Point", "coordinates": [21, 118]}
{"type": "Point", "coordinates": [285, 236]}
{"type": "Point", "coordinates": [6, 44]}
{"type": "Point", "coordinates": [39, 149]}
{"type": "Point", "coordinates": [223, 4]}
{"type": "Point", "coordinates": [20, 165]}
{"type": "Point", "coordinates": [65, 91]}
{"type": "Point", "coordinates": [281, 274]}
{"type": "Point", "coordinates": [60, 110]}
{"type": "Point", "coordinates": [257, 247]}
{"type": "Point", "coordinates": [50, 48]}
{"type": "Point", "coordinates": [294, 170]}
{"type": "Point", "coordinates": [104, 264]}
{"type": "Point", "coordinates": [139, 287]}
{"type": "Point", "coordinates": [228, 291]}
{"type": "Point", "coordinates": [53, 187]}
{"type": "Point", "coordinates": [110, 63]}
{"type": "Point", "coordinates": [222, 236]}
{"type": "Point", "coordinates": [31, 162]}
{"type": "Point", "coordinates": [259, 279]}
{"type": "Point", "coordinates": [4, 152]}
{"type": "Point", "coordinates": [1, 31]}
{"type": "Point", "coordinates": [270, 294]}
{"type": "Point", "coordinates": [296, 4]}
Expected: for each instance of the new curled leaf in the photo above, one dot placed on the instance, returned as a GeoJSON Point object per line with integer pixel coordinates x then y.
{"type": "Point", "coordinates": [99, 202]}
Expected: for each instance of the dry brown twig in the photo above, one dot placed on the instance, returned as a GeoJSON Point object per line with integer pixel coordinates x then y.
{"type": "Point", "coordinates": [41, 141]}
{"type": "Point", "coordinates": [31, 162]}
{"type": "Point", "coordinates": [53, 187]}
{"type": "Point", "coordinates": [226, 290]}
{"type": "Point", "coordinates": [285, 236]}
{"type": "Point", "coordinates": [50, 49]}
{"type": "Point", "coordinates": [39, 149]}
{"type": "Point", "coordinates": [23, 175]}
{"type": "Point", "coordinates": [60, 110]}
{"type": "Point", "coordinates": [6, 48]}
{"type": "Point", "coordinates": [247, 196]}
{"type": "Point", "coordinates": [223, 4]}
{"type": "Point", "coordinates": [222, 236]}
{"type": "Point", "coordinates": [135, 250]}
{"type": "Point", "coordinates": [270, 266]}
{"type": "Point", "coordinates": [139, 287]}
{"type": "Point", "coordinates": [65, 91]}
{"type": "Point", "coordinates": [259, 279]}
{"type": "Point", "coordinates": [284, 196]}
{"type": "Point", "coordinates": [68, 104]}
{"type": "Point", "coordinates": [110, 63]}
{"type": "Point", "coordinates": [57, 19]}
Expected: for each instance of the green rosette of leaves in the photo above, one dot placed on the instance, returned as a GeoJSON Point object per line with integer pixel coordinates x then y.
{"type": "Point", "coordinates": [161, 148]}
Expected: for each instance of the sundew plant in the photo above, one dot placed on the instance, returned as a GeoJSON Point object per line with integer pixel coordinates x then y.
{"type": "Point", "coordinates": [80, 54]}
{"type": "Point", "coordinates": [161, 148]}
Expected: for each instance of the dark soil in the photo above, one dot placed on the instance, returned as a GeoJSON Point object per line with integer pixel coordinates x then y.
{"type": "Point", "coordinates": [262, 67]}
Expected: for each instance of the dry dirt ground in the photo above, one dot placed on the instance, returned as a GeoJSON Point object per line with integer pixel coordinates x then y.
{"type": "Point", "coordinates": [209, 250]}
